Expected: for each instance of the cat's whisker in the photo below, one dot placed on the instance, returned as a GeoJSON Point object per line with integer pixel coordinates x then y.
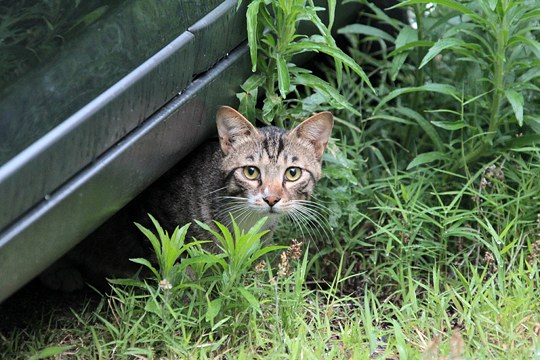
{"type": "Point", "coordinates": [235, 210]}
{"type": "Point", "coordinates": [232, 198]}
{"type": "Point", "coordinates": [313, 212]}
{"type": "Point", "coordinates": [302, 222]}
{"type": "Point", "coordinates": [313, 205]}
{"type": "Point", "coordinates": [313, 218]}
{"type": "Point", "coordinates": [311, 225]}
{"type": "Point", "coordinates": [293, 216]}
{"type": "Point", "coordinates": [311, 202]}
{"type": "Point", "coordinates": [215, 191]}
{"type": "Point", "coordinates": [321, 221]}
{"type": "Point", "coordinates": [320, 201]}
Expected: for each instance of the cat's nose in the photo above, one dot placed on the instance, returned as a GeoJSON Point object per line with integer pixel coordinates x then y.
{"type": "Point", "coordinates": [271, 200]}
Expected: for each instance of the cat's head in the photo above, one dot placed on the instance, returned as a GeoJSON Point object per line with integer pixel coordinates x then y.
{"type": "Point", "coordinates": [273, 169]}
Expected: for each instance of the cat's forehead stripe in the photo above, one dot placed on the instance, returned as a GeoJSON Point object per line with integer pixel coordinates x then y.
{"type": "Point", "coordinates": [273, 143]}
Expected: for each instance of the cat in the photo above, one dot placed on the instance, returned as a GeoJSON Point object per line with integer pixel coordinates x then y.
{"type": "Point", "coordinates": [250, 173]}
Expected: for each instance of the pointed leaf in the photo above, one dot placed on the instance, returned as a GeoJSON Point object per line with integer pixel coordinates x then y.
{"type": "Point", "coordinates": [406, 36]}
{"type": "Point", "coordinates": [449, 3]}
{"type": "Point", "coordinates": [251, 18]}
{"type": "Point", "coordinates": [516, 100]}
{"type": "Point", "coordinates": [449, 125]}
{"type": "Point", "coordinates": [162, 234]}
{"type": "Point", "coordinates": [533, 122]}
{"type": "Point", "coordinates": [434, 87]}
{"type": "Point", "coordinates": [366, 30]}
{"type": "Point", "coordinates": [284, 80]}
{"type": "Point", "coordinates": [439, 46]}
{"type": "Point", "coordinates": [251, 299]}
{"type": "Point", "coordinates": [258, 225]}
{"type": "Point", "coordinates": [210, 230]}
{"type": "Point", "coordinates": [51, 351]}
{"type": "Point", "coordinates": [335, 52]}
{"type": "Point", "coordinates": [214, 307]}
{"type": "Point", "coordinates": [151, 237]}
{"type": "Point", "coordinates": [426, 158]}
{"type": "Point", "coordinates": [128, 282]}
{"type": "Point", "coordinates": [153, 307]}
{"type": "Point", "coordinates": [266, 250]}
{"type": "Point", "coordinates": [332, 96]}
{"type": "Point", "coordinates": [425, 125]}
{"type": "Point", "coordinates": [147, 264]}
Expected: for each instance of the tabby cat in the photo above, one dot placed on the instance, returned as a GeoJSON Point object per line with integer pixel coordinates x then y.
{"type": "Point", "coordinates": [251, 173]}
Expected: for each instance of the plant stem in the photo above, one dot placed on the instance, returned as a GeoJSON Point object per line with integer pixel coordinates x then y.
{"type": "Point", "coordinates": [498, 78]}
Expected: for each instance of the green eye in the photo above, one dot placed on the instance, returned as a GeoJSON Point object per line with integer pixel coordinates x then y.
{"type": "Point", "coordinates": [293, 173]}
{"type": "Point", "coordinates": [251, 172]}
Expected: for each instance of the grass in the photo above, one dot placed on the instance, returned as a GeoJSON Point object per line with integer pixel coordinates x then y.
{"type": "Point", "coordinates": [432, 247]}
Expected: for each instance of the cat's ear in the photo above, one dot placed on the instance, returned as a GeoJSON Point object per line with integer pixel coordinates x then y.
{"type": "Point", "coordinates": [316, 130]}
{"type": "Point", "coordinates": [232, 126]}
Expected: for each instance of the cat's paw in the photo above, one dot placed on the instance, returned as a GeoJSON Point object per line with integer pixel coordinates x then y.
{"type": "Point", "coordinates": [62, 278]}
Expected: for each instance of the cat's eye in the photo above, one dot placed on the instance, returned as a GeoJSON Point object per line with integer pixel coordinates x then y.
{"type": "Point", "coordinates": [251, 172]}
{"type": "Point", "coordinates": [293, 173]}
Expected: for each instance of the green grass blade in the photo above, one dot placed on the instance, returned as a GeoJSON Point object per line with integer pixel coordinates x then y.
{"type": "Point", "coordinates": [426, 158]}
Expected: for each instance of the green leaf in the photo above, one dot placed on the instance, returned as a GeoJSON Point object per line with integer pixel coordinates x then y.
{"type": "Point", "coordinates": [248, 104]}
{"type": "Point", "coordinates": [492, 4]}
{"type": "Point", "coordinates": [210, 230]}
{"type": "Point", "coordinates": [147, 264]}
{"type": "Point", "coordinates": [334, 52]}
{"type": "Point", "coordinates": [153, 307]}
{"type": "Point", "coordinates": [407, 35]}
{"type": "Point", "coordinates": [127, 282]}
{"type": "Point", "coordinates": [448, 3]}
{"type": "Point", "coordinates": [251, 18]}
{"type": "Point", "coordinates": [533, 122]}
{"type": "Point", "coordinates": [531, 44]}
{"type": "Point", "coordinates": [284, 80]}
{"type": "Point", "coordinates": [250, 299]}
{"type": "Point", "coordinates": [366, 30]}
{"type": "Point", "coordinates": [439, 46]}
{"type": "Point", "coordinates": [258, 225]}
{"type": "Point", "coordinates": [425, 125]}
{"type": "Point", "coordinates": [161, 233]}
{"type": "Point", "coordinates": [516, 100]}
{"type": "Point", "coordinates": [266, 250]}
{"type": "Point", "coordinates": [51, 351]}
{"type": "Point", "coordinates": [411, 45]}
{"type": "Point", "coordinates": [330, 93]}
{"type": "Point", "coordinates": [331, 13]}
{"type": "Point", "coordinates": [434, 87]}
{"type": "Point", "coordinates": [214, 307]}
{"type": "Point", "coordinates": [227, 241]}
{"type": "Point", "coordinates": [152, 238]}
{"type": "Point", "coordinates": [522, 141]}
{"type": "Point", "coordinates": [179, 235]}
{"type": "Point", "coordinates": [426, 158]}
{"type": "Point", "coordinates": [450, 125]}
{"type": "Point", "coordinates": [253, 82]}
{"type": "Point", "coordinates": [272, 105]}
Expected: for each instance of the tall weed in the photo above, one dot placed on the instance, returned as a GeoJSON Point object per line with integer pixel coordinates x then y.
{"type": "Point", "coordinates": [275, 42]}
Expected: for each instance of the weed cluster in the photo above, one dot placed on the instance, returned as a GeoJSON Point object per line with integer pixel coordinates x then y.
{"type": "Point", "coordinates": [433, 189]}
